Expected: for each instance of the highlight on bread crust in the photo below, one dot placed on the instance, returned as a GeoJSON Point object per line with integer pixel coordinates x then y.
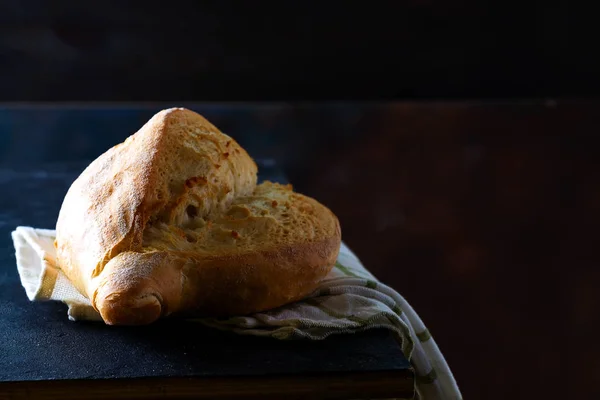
{"type": "Point", "coordinates": [172, 221]}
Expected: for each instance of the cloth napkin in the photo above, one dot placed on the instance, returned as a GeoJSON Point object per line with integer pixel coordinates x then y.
{"type": "Point", "coordinates": [349, 300]}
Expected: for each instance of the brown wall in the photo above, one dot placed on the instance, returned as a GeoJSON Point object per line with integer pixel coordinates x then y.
{"type": "Point", "coordinates": [485, 217]}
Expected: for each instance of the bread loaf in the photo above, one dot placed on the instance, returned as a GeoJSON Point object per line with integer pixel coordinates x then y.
{"type": "Point", "coordinates": [172, 222]}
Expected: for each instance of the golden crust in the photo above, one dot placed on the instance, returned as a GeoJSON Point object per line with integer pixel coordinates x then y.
{"type": "Point", "coordinates": [172, 221]}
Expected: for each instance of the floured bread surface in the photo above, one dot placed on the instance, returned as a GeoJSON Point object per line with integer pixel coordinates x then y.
{"type": "Point", "coordinates": [172, 221]}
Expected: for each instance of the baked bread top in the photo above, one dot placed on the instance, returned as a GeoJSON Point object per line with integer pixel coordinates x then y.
{"type": "Point", "coordinates": [173, 221]}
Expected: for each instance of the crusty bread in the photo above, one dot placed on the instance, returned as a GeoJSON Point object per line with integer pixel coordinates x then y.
{"type": "Point", "coordinates": [172, 222]}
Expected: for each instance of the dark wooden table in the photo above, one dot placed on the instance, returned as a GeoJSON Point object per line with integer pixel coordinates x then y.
{"type": "Point", "coordinates": [45, 356]}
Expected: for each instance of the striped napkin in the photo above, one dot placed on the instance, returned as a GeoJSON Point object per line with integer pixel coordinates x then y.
{"type": "Point", "coordinates": [349, 300]}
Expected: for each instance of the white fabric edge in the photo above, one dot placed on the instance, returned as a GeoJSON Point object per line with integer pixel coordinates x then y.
{"type": "Point", "coordinates": [30, 260]}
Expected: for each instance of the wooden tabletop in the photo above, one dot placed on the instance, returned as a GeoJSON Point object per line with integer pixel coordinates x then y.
{"type": "Point", "coordinates": [43, 355]}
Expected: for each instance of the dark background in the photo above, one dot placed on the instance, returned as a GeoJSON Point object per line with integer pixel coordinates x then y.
{"type": "Point", "coordinates": [456, 141]}
{"type": "Point", "coordinates": [224, 50]}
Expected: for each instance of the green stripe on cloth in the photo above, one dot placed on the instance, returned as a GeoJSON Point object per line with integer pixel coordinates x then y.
{"type": "Point", "coordinates": [429, 378]}
{"type": "Point", "coordinates": [335, 314]}
{"type": "Point", "coordinates": [372, 284]}
{"type": "Point", "coordinates": [345, 270]}
{"type": "Point", "coordinates": [353, 318]}
{"type": "Point", "coordinates": [424, 336]}
{"type": "Point", "coordinates": [320, 306]}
